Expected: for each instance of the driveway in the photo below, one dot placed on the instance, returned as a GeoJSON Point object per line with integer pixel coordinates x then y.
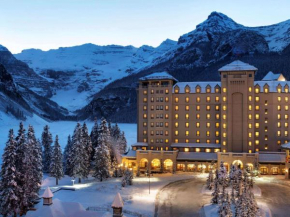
{"type": "Point", "coordinates": [181, 198]}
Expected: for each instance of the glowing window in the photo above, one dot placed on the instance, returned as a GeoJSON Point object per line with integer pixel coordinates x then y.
{"type": "Point", "coordinates": [176, 99]}
{"type": "Point", "coordinates": [176, 90]}
{"type": "Point", "coordinates": [224, 99]}
{"type": "Point", "coordinates": [197, 116]}
{"type": "Point", "coordinates": [286, 117]}
{"type": "Point", "coordinates": [257, 99]}
{"type": "Point", "coordinates": [145, 116]}
{"type": "Point", "coordinates": [279, 98]}
{"type": "Point", "coordinates": [176, 116]}
{"type": "Point", "coordinates": [257, 116]}
{"type": "Point", "coordinates": [250, 89]}
{"type": "Point", "coordinates": [257, 108]}
{"type": "Point", "coordinates": [250, 98]}
{"type": "Point", "coordinates": [286, 107]}
{"type": "Point", "coordinates": [187, 99]}
{"type": "Point", "coordinates": [145, 92]}
{"type": "Point", "coordinates": [278, 133]}
{"type": "Point", "coordinates": [279, 116]}
{"type": "Point", "coordinates": [286, 98]}
{"type": "Point", "coordinates": [197, 99]}
{"type": "Point", "coordinates": [257, 90]}
{"type": "Point", "coordinates": [208, 124]}
{"type": "Point", "coordinates": [250, 135]}
{"type": "Point", "coordinates": [197, 133]}
{"type": "Point", "coordinates": [166, 91]}
{"type": "Point", "coordinates": [279, 89]}
{"type": "Point", "coordinates": [250, 107]}
{"type": "Point", "coordinates": [187, 133]}
{"type": "Point", "coordinates": [217, 125]}
{"type": "Point", "coordinates": [250, 126]}
{"type": "Point", "coordinates": [217, 133]}
{"type": "Point", "coordinates": [208, 107]}
{"type": "Point", "coordinates": [197, 124]}
{"type": "Point", "coordinates": [224, 135]}
{"type": "Point", "coordinates": [187, 108]}
{"type": "Point", "coordinates": [217, 116]}
{"type": "Point", "coordinates": [279, 108]}
{"type": "Point", "coordinates": [197, 149]}
{"type": "Point", "coordinates": [145, 99]}
{"type": "Point", "coordinates": [279, 124]}
{"type": "Point", "coordinates": [186, 116]}
{"type": "Point", "coordinates": [176, 140]}
{"type": "Point", "coordinates": [207, 150]}
{"type": "Point", "coordinates": [208, 116]}
{"type": "Point", "coordinates": [217, 99]}
{"type": "Point", "coordinates": [257, 125]}
{"type": "Point", "coordinates": [208, 98]}
{"type": "Point", "coordinates": [250, 117]}
{"type": "Point", "coordinates": [224, 107]}
{"type": "Point", "coordinates": [145, 108]}
{"type": "Point", "coordinates": [187, 89]}
{"type": "Point", "coordinates": [176, 132]}
{"type": "Point", "coordinates": [224, 90]}
{"type": "Point", "coordinates": [257, 142]}
{"type": "Point", "coordinates": [198, 108]}
{"type": "Point", "coordinates": [224, 117]}
{"type": "Point", "coordinates": [224, 125]}
{"type": "Point", "coordinates": [176, 124]}
{"type": "Point", "coordinates": [217, 108]}
{"type": "Point", "coordinates": [176, 108]}
{"type": "Point", "coordinates": [257, 134]}
{"type": "Point", "coordinates": [186, 149]}
{"type": "Point", "coordinates": [186, 124]}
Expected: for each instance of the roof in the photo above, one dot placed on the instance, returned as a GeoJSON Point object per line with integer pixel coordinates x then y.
{"type": "Point", "coordinates": [273, 77]}
{"type": "Point", "coordinates": [130, 154]}
{"type": "Point", "coordinates": [272, 85]}
{"type": "Point", "coordinates": [140, 144]}
{"type": "Point", "coordinates": [197, 156]}
{"type": "Point", "coordinates": [195, 145]}
{"type": "Point", "coordinates": [193, 85]}
{"type": "Point", "coordinates": [63, 209]}
{"type": "Point", "coordinates": [158, 76]}
{"type": "Point", "coordinates": [286, 146]}
{"type": "Point", "coordinates": [272, 157]}
{"type": "Point", "coordinates": [47, 193]}
{"type": "Point", "coordinates": [118, 202]}
{"type": "Point", "coordinates": [238, 66]}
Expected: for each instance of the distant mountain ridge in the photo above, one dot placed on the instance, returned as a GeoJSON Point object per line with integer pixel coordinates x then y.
{"type": "Point", "coordinates": [101, 80]}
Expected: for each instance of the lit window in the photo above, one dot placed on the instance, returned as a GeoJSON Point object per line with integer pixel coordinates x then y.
{"type": "Point", "coordinates": [176, 108]}
{"type": "Point", "coordinates": [144, 124]}
{"type": "Point", "coordinates": [286, 117]}
{"type": "Point", "coordinates": [217, 108]}
{"type": "Point", "coordinates": [166, 91]}
{"type": "Point", "coordinates": [286, 98]}
{"type": "Point", "coordinates": [250, 98]}
{"type": "Point", "coordinates": [217, 116]}
{"type": "Point", "coordinates": [207, 150]}
{"type": "Point", "coordinates": [197, 99]}
{"type": "Point", "coordinates": [250, 151]}
{"type": "Point", "coordinates": [286, 89]}
{"type": "Point", "coordinates": [208, 98]}
{"type": "Point", "coordinates": [279, 108]}
{"type": "Point", "coordinates": [166, 124]}
{"type": "Point", "coordinates": [197, 124]}
{"type": "Point", "coordinates": [217, 141]}
{"type": "Point", "coordinates": [176, 116]}
{"type": "Point", "coordinates": [217, 99]}
{"type": "Point", "coordinates": [144, 108]}
{"type": "Point", "coordinates": [224, 135]}
{"type": "Point", "coordinates": [145, 99]}
{"type": "Point", "coordinates": [278, 133]}
{"type": "Point", "coordinates": [198, 89]}
{"type": "Point", "coordinates": [187, 99]}
{"type": "Point", "coordinates": [257, 116]}
{"type": "Point", "coordinates": [197, 141]}
{"type": "Point", "coordinates": [250, 135]}
{"type": "Point", "coordinates": [266, 129]}
{"type": "Point", "coordinates": [257, 142]}
{"type": "Point", "coordinates": [186, 133]}
{"type": "Point", "coordinates": [224, 107]}
{"type": "Point", "coordinates": [187, 89]}
{"type": "Point", "coordinates": [166, 99]}
{"type": "Point", "coordinates": [152, 99]}
{"type": "Point", "coordinates": [266, 102]}
{"type": "Point", "coordinates": [197, 133]}
{"type": "Point", "coordinates": [186, 116]}
{"type": "Point", "coordinates": [176, 90]}
{"type": "Point", "coordinates": [152, 91]}
{"type": "Point", "coordinates": [224, 99]}
{"type": "Point", "coordinates": [186, 149]}
{"type": "Point", "coordinates": [266, 90]}
{"type": "Point", "coordinates": [208, 124]}
{"type": "Point", "coordinates": [279, 89]}
{"type": "Point", "coordinates": [224, 143]}
{"type": "Point", "coordinates": [186, 124]}
{"type": "Point", "coordinates": [257, 99]}
{"type": "Point", "coordinates": [257, 90]}
{"type": "Point", "coordinates": [197, 116]}
{"type": "Point", "coordinates": [250, 107]}
{"type": "Point", "coordinates": [176, 99]}
{"type": "Point", "coordinates": [144, 132]}
{"type": "Point", "coordinates": [257, 125]}
{"type": "Point", "coordinates": [224, 125]}
{"type": "Point", "coordinates": [279, 124]}
{"type": "Point", "coordinates": [278, 142]}
{"type": "Point", "coordinates": [279, 98]}
{"type": "Point", "coordinates": [176, 124]}
{"type": "Point", "coordinates": [257, 108]}
{"type": "Point", "coordinates": [176, 132]}
{"type": "Point", "coordinates": [208, 89]}
{"type": "Point", "coordinates": [208, 107]}
{"type": "Point", "coordinates": [266, 120]}
{"type": "Point", "coordinates": [187, 108]}
{"type": "Point", "coordinates": [250, 89]}
{"type": "Point", "coordinates": [250, 126]}
{"type": "Point", "coordinates": [208, 116]}
{"type": "Point", "coordinates": [217, 90]}
{"type": "Point", "coordinates": [266, 137]}
{"type": "Point", "coordinates": [166, 132]}
{"type": "Point", "coordinates": [217, 133]}
{"type": "Point", "coordinates": [198, 108]}
{"type": "Point", "coordinates": [144, 140]}
{"type": "Point", "coordinates": [224, 117]}
{"type": "Point", "coordinates": [166, 141]}
{"type": "Point", "coordinates": [286, 107]}
{"type": "Point", "coordinates": [266, 147]}
{"type": "Point", "coordinates": [286, 133]}
{"type": "Point", "coordinates": [145, 92]}
{"type": "Point", "coordinates": [145, 116]}
{"type": "Point", "coordinates": [250, 143]}
{"type": "Point", "coordinates": [197, 149]}
{"type": "Point", "coordinates": [224, 90]}
{"type": "Point", "coordinates": [166, 107]}
{"type": "Point", "coordinates": [250, 117]}
{"type": "Point", "coordinates": [187, 141]}
{"type": "Point", "coordinates": [217, 125]}
{"type": "Point", "coordinates": [286, 124]}
{"type": "Point", "coordinates": [279, 116]}
{"type": "Point", "coordinates": [266, 111]}
{"type": "Point", "coordinates": [257, 134]}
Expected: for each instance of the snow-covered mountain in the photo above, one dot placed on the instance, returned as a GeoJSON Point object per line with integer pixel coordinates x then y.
{"type": "Point", "coordinates": [79, 72]}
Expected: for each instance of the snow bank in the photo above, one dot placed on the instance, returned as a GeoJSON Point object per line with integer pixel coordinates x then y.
{"type": "Point", "coordinates": [256, 190]}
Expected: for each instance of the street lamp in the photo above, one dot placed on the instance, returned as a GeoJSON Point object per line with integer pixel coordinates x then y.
{"type": "Point", "coordinates": [148, 174]}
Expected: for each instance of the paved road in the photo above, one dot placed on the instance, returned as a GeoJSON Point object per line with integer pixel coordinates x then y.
{"type": "Point", "coordinates": [277, 197]}
{"type": "Point", "coordinates": [181, 199]}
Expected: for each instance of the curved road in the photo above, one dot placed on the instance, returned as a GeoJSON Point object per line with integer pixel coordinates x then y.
{"type": "Point", "coordinates": [184, 199]}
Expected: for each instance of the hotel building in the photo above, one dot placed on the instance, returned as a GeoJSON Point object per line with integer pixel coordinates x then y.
{"type": "Point", "coordinates": [187, 125]}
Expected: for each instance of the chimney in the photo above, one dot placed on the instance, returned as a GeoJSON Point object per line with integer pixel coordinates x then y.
{"type": "Point", "coordinates": [47, 197]}
{"type": "Point", "coordinates": [118, 206]}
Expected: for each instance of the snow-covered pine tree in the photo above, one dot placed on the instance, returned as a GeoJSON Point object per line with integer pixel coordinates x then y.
{"type": "Point", "coordinates": [116, 132]}
{"type": "Point", "coordinates": [67, 157]}
{"type": "Point", "coordinates": [216, 191]}
{"type": "Point", "coordinates": [22, 166]}
{"type": "Point", "coordinates": [233, 198]}
{"type": "Point", "coordinates": [89, 148]}
{"type": "Point", "coordinates": [209, 181]}
{"type": "Point", "coordinates": [123, 143]}
{"type": "Point", "coordinates": [46, 140]}
{"type": "Point", "coordinates": [225, 207]}
{"type": "Point", "coordinates": [94, 137]}
{"type": "Point", "coordinates": [127, 178]}
{"type": "Point", "coordinates": [56, 166]}
{"type": "Point", "coordinates": [78, 153]}
{"type": "Point", "coordinates": [34, 175]}
{"type": "Point", "coordinates": [9, 190]}
{"type": "Point", "coordinates": [102, 154]}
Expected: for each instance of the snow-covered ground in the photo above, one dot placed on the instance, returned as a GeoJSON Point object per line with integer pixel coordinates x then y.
{"type": "Point", "coordinates": [60, 128]}
{"type": "Point", "coordinates": [136, 198]}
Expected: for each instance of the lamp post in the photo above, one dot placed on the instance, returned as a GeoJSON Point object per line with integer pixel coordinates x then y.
{"type": "Point", "coordinates": [148, 174]}
{"type": "Point", "coordinates": [73, 182]}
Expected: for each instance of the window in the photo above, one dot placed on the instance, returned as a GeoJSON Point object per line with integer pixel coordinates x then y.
{"type": "Point", "coordinates": [176, 90]}
{"type": "Point", "coordinates": [279, 116]}
{"type": "Point", "coordinates": [166, 141]}
{"type": "Point", "coordinates": [217, 90]}
{"type": "Point", "coordinates": [197, 116]}
{"type": "Point", "coordinates": [224, 135]}
{"type": "Point", "coordinates": [286, 89]}
{"type": "Point", "coordinates": [144, 99]}
{"type": "Point", "coordinates": [186, 124]}
{"type": "Point", "coordinates": [144, 124]}
{"type": "Point", "coordinates": [197, 149]}
{"type": "Point", "coordinates": [186, 149]}
{"type": "Point", "coordinates": [279, 89]}
{"type": "Point", "coordinates": [176, 108]}
{"type": "Point", "coordinates": [198, 108]}
{"type": "Point", "coordinates": [208, 124]}
{"type": "Point", "coordinates": [266, 137]}
{"type": "Point", "coordinates": [279, 107]}
{"type": "Point", "coordinates": [286, 107]}
{"type": "Point", "coordinates": [145, 92]}
{"type": "Point", "coordinates": [286, 133]}
{"type": "Point", "coordinates": [208, 116]}
{"type": "Point", "coordinates": [217, 99]}
{"type": "Point", "coordinates": [224, 90]}
{"type": "Point", "coordinates": [266, 102]}
{"type": "Point", "coordinates": [166, 99]}
{"type": "Point", "coordinates": [286, 117]}
{"type": "Point", "coordinates": [152, 133]}
{"type": "Point", "coordinates": [217, 124]}
{"type": "Point", "coordinates": [224, 107]}
{"type": "Point", "coordinates": [176, 116]}
{"type": "Point", "coordinates": [152, 124]}
{"type": "Point", "coordinates": [257, 134]}
{"type": "Point", "coordinates": [144, 108]}
{"type": "Point", "coordinates": [278, 124]}
{"type": "Point", "coordinates": [187, 90]}
{"type": "Point", "coordinates": [176, 132]}
{"type": "Point", "coordinates": [257, 99]}
{"type": "Point", "coordinates": [208, 89]}
{"type": "Point", "coordinates": [197, 124]}
{"type": "Point", "coordinates": [250, 135]}
{"type": "Point", "coordinates": [166, 124]}
{"type": "Point", "coordinates": [166, 132]}
{"type": "Point", "coordinates": [250, 143]}
{"type": "Point", "coordinates": [266, 111]}
{"type": "Point", "coordinates": [250, 98]}
{"type": "Point", "coordinates": [224, 117]}
{"type": "Point", "coordinates": [217, 107]}
{"type": "Point", "coordinates": [217, 116]}
{"type": "Point", "coordinates": [224, 143]}
{"type": "Point", "coordinates": [186, 116]}
{"type": "Point", "coordinates": [176, 99]}
{"type": "Point", "coordinates": [286, 98]}
{"type": "Point", "coordinates": [208, 99]}
{"type": "Point", "coordinates": [266, 90]}
{"type": "Point", "coordinates": [250, 107]}
{"type": "Point", "coordinates": [279, 98]}
{"type": "Point", "coordinates": [145, 116]}
{"type": "Point", "coordinates": [286, 124]}
{"type": "Point", "coordinates": [278, 133]}
{"type": "Point", "coordinates": [257, 116]}
{"type": "Point", "coordinates": [257, 142]}
{"type": "Point", "coordinates": [217, 133]}
{"type": "Point", "coordinates": [257, 108]}
{"type": "Point", "coordinates": [166, 91]}
{"type": "Point", "coordinates": [166, 108]}
{"type": "Point", "coordinates": [197, 133]}
{"type": "Point", "coordinates": [250, 126]}
{"type": "Point", "coordinates": [197, 99]}
{"type": "Point", "coordinates": [187, 99]}
{"type": "Point", "coordinates": [224, 125]}
{"type": "Point", "coordinates": [224, 99]}
{"type": "Point", "coordinates": [152, 107]}
{"type": "Point", "coordinates": [250, 117]}
{"type": "Point", "coordinates": [257, 90]}
{"type": "Point", "coordinates": [257, 125]}
{"type": "Point", "coordinates": [144, 132]}
{"type": "Point", "coordinates": [208, 107]}
{"type": "Point", "coordinates": [197, 89]}
{"type": "Point", "coordinates": [250, 89]}
{"type": "Point", "coordinates": [176, 124]}
{"type": "Point", "coordinates": [266, 129]}
{"type": "Point", "coordinates": [187, 108]}
{"type": "Point", "coordinates": [176, 140]}
{"type": "Point", "coordinates": [207, 150]}
{"type": "Point", "coordinates": [186, 133]}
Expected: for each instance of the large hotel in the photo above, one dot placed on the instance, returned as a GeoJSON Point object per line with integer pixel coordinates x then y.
{"type": "Point", "coordinates": [184, 126]}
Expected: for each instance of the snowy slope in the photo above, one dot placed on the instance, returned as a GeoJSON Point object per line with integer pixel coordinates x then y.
{"type": "Point", "coordinates": [80, 71]}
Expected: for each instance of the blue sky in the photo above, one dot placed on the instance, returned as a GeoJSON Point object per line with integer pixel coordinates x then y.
{"type": "Point", "coordinates": [49, 24]}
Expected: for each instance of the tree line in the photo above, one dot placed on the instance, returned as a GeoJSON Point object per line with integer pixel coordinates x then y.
{"type": "Point", "coordinates": [25, 159]}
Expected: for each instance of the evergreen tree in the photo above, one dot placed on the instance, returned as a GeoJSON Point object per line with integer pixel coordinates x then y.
{"type": "Point", "coordinates": [78, 153]}
{"type": "Point", "coordinates": [102, 154]}
{"type": "Point", "coordinates": [67, 156]}
{"type": "Point", "coordinates": [88, 148]}
{"type": "Point", "coordinates": [22, 166]}
{"type": "Point", "coordinates": [46, 139]}
{"type": "Point", "coordinates": [209, 181]}
{"type": "Point", "coordinates": [127, 178]}
{"type": "Point", "coordinates": [94, 137]}
{"type": "Point", "coordinates": [34, 155]}
{"type": "Point", "coordinates": [225, 207]}
{"type": "Point", "coordinates": [215, 194]}
{"type": "Point", "coordinates": [9, 190]}
{"type": "Point", "coordinates": [56, 169]}
{"type": "Point", "coordinates": [116, 132]}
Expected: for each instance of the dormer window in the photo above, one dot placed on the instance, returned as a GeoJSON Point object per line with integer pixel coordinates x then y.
{"type": "Point", "coordinates": [208, 89]}
{"type": "Point", "coordinates": [176, 89]}
{"type": "Point", "coordinates": [257, 89]}
{"type": "Point", "coordinates": [187, 89]}
{"type": "Point", "coordinates": [217, 89]}
{"type": "Point", "coordinates": [198, 89]}
{"type": "Point", "coordinates": [286, 89]}
{"type": "Point", "coordinates": [279, 89]}
{"type": "Point", "coordinates": [266, 88]}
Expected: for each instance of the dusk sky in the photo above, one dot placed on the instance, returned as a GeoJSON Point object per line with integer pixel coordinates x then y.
{"type": "Point", "coordinates": [49, 24]}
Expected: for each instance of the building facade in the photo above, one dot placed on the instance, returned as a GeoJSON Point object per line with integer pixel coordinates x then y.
{"type": "Point", "coordinates": [236, 120]}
